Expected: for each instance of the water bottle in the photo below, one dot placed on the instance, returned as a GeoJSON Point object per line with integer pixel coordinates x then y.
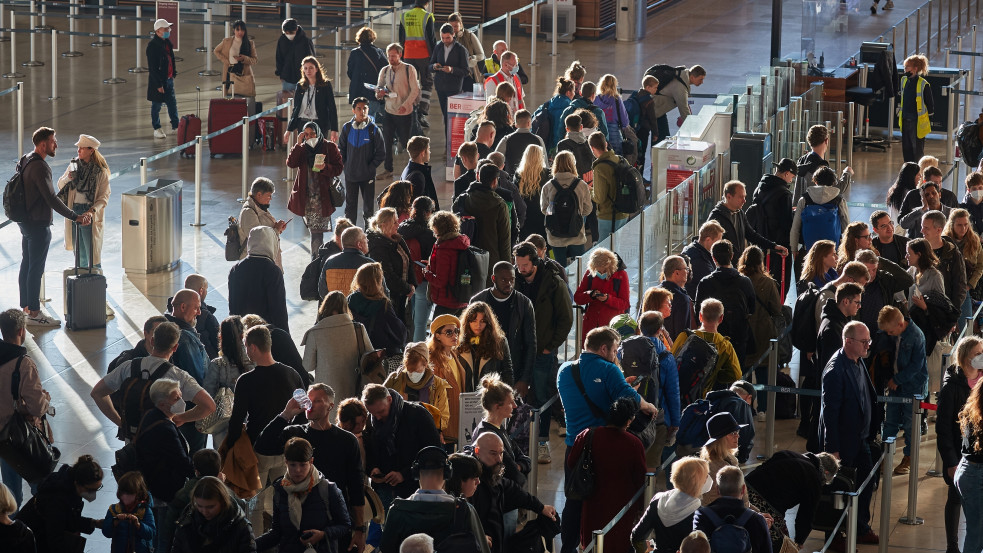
{"type": "Point", "coordinates": [300, 396]}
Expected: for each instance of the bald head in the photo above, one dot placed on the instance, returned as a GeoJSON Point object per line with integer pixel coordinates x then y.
{"type": "Point", "coordinates": [489, 449]}
{"type": "Point", "coordinates": [186, 305]}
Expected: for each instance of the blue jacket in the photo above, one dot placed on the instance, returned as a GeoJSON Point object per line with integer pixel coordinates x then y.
{"type": "Point", "coordinates": [723, 507]}
{"type": "Point", "coordinates": [122, 532]}
{"type": "Point", "coordinates": [362, 151]}
{"type": "Point", "coordinates": [668, 385]}
{"type": "Point", "coordinates": [190, 356]}
{"type": "Point", "coordinates": [603, 381]}
{"type": "Point", "coordinates": [912, 375]}
{"type": "Point", "coordinates": [846, 407]}
{"type": "Point", "coordinates": [556, 107]}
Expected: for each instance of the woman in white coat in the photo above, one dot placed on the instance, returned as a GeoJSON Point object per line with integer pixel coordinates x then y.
{"type": "Point", "coordinates": [85, 188]}
{"type": "Point", "coordinates": [332, 349]}
{"type": "Point", "coordinates": [238, 56]}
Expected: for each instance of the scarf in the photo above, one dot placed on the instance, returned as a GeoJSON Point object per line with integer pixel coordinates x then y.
{"type": "Point", "coordinates": [386, 430]}
{"type": "Point", "coordinates": [297, 493]}
{"type": "Point", "coordinates": [85, 180]}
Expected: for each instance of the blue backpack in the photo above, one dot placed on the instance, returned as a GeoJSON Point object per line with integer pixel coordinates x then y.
{"type": "Point", "coordinates": [693, 423]}
{"type": "Point", "coordinates": [820, 222]}
{"type": "Point", "coordinates": [729, 535]}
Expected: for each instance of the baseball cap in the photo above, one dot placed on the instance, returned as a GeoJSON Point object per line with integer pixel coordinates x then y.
{"type": "Point", "coordinates": [161, 23]}
{"type": "Point", "coordinates": [785, 164]}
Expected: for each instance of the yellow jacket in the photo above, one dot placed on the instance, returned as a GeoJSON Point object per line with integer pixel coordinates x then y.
{"type": "Point", "coordinates": [399, 381]}
{"type": "Point", "coordinates": [728, 368]}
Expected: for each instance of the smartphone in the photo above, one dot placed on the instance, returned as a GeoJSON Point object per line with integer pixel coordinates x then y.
{"type": "Point", "coordinates": [421, 264]}
{"type": "Point", "coordinates": [307, 535]}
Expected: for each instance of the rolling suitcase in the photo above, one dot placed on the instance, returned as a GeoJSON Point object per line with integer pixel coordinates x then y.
{"type": "Point", "coordinates": [188, 128]}
{"type": "Point", "coordinates": [85, 305]}
{"type": "Point", "coordinates": [223, 112]}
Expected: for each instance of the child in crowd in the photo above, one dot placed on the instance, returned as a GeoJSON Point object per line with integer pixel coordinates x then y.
{"type": "Point", "coordinates": [130, 523]}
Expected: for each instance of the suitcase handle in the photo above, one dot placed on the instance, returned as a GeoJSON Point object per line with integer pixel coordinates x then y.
{"type": "Point", "coordinates": [92, 246]}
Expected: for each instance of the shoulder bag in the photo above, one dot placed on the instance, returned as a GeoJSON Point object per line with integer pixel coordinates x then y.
{"type": "Point", "coordinates": [25, 447]}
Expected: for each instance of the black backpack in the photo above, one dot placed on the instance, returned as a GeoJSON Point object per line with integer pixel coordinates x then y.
{"type": "Point", "coordinates": [471, 274]}
{"type": "Point", "coordinates": [309, 280]}
{"type": "Point", "coordinates": [629, 191]}
{"type": "Point", "coordinates": [756, 217]}
{"type": "Point", "coordinates": [461, 538]}
{"type": "Point", "coordinates": [542, 123]}
{"type": "Point", "coordinates": [136, 395]}
{"type": "Point", "coordinates": [666, 74]}
{"type": "Point", "coordinates": [638, 358]}
{"type": "Point", "coordinates": [729, 534]}
{"type": "Point", "coordinates": [565, 221]}
{"type": "Point", "coordinates": [695, 362]}
{"type": "Point", "coordinates": [785, 403]}
{"type": "Point", "coordinates": [804, 331]}
{"type": "Point", "coordinates": [15, 197]}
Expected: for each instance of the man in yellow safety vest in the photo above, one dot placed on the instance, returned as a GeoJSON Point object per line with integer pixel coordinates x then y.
{"type": "Point", "coordinates": [418, 36]}
{"type": "Point", "coordinates": [490, 66]}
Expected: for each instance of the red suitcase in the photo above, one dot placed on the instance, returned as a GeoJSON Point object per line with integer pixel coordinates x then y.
{"type": "Point", "coordinates": [222, 113]}
{"type": "Point", "coordinates": [188, 128]}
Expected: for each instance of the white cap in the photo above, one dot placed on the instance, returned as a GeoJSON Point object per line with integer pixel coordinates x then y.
{"type": "Point", "coordinates": [87, 141]}
{"type": "Point", "coordinates": [160, 24]}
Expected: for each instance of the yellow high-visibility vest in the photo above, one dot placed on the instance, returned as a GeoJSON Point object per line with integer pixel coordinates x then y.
{"type": "Point", "coordinates": [414, 22]}
{"type": "Point", "coordinates": [924, 125]}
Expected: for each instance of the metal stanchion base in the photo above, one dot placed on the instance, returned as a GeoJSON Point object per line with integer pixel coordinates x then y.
{"type": "Point", "coordinates": [53, 97]}
{"type": "Point", "coordinates": [138, 70]}
{"type": "Point", "coordinates": [13, 75]}
{"type": "Point", "coordinates": [910, 522]}
{"type": "Point", "coordinates": [208, 73]}
{"type": "Point", "coordinates": [71, 54]}
{"type": "Point", "coordinates": [114, 80]}
{"type": "Point", "coordinates": [33, 63]}
{"type": "Point", "coordinates": [201, 49]}
{"type": "Point", "coordinates": [201, 225]}
{"type": "Point", "coordinates": [933, 473]}
{"type": "Point", "coordinates": [176, 58]}
{"type": "Point", "coordinates": [101, 44]}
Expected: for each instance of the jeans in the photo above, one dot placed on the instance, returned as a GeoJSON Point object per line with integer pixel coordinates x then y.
{"type": "Point", "coordinates": [352, 189]}
{"type": "Point", "coordinates": [164, 536]}
{"type": "Point", "coordinates": [171, 102]}
{"type": "Point", "coordinates": [570, 519]}
{"type": "Point", "coordinates": [397, 126]}
{"type": "Point", "coordinates": [35, 239]}
{"type": "Point", "coordinates": [606, 226]}
{"type": "Point", "coordinates": [563, 254]}
{"type": "Point", "coordinates": [421, 307]}
{"type": "Point", "coordinates": [291, 87]}
{"type": "Point", "coordinates": [969, 482]}
{"type": "Point", "coordinates": [85, 243]}
{"type": "Point", "coordinates": [543, 387]}
{"type": "Point", "coordinates": [899, 416]}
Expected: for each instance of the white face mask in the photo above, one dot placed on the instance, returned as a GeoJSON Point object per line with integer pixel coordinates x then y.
{"type": "Point", "coordinates": [89, 496]}
{"type": "Point", "coordinates": [977, 362]}
{"type": "Point", "coordinates": [707, 486]}
{"type": "Point", "coordinates": [289, 37]}
{"type": "Point", "coordinates": [976, 194]}
{"type": "Point", "coordinates": [312, 142]}
{"type": "Point", "coordinates": [415, 378]}
{"type": "Point", "coordinates": [179, 407]}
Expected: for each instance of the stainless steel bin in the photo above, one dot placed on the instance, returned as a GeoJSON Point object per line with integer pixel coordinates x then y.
{"type": "Point", "coordinates": [630, 20]}
{"type": "Point", "coordinates": [152, 227]}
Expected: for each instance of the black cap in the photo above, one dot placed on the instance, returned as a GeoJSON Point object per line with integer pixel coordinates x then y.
{"type": "Point", "coordinates": [431, 458]}
{"type": "Point", "coordinates": [784, 165]}
{"type": "Point", "coordinates": [748, 387]}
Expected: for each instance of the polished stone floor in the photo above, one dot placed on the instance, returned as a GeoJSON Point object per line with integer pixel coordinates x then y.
{"type": "Point", "coordinates": [729, 38]}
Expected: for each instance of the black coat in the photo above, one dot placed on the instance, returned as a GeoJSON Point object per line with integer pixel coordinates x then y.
{"type": "Point", "coordinates": [740, 234]}
{"type": "Point", "coordinates": [364, 64]}
{"type": "Point", "coordinates": [952, 398]}
{"type": "Point", "coordinates": [229, 532]}
{"type": "Point", "coordinates": [492, 502]}
{"type": "Point", "coordinates": [158, 52]}
{"type": "Point", "coordinates": [54, 514]}
{"type": "Point", "coordinates": [391, 447]}
{"type": "Point", "coordinates": [774, 199]}
{"type": "Point", "coordinates": [788, 479]}
{"type": "Point", "coordinates": [290, 54]}
{"type": "Point", "coordinates": [419, 175]}
{"type": "Point", "coordinates": [830, 332]}
{"type": "Point", "coordinates": [701, 265]}
{"type": "Point", "coordinates": [453, 82]}
{"type": "Point", "coordinates": [386, 251]}
{"type": "Point", "coordinates": [165, 460]}
{"type": "Point", "coordinates": [517, 464]}
{"type": "Point", "coordinates": [256, 286]}
{"type": "Point", "coordinates": [324, 106]}
{"type": "Point", "coordinates": [730, 287]}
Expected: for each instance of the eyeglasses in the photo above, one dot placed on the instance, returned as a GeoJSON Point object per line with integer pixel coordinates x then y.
{"type": "Point", "coordinates": [864, 342]}
{"type": "Point", "coordinates": [864, 237]}
{"type": "Point", "coordinates": [451, 332]}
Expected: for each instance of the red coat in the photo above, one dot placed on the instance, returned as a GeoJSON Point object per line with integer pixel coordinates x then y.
{"type": "Point", "coordinates": [333, 166]}
{"type": "Point", "coordinates": [600, 313]}
{"type": "Point", "coordinates": [442, 268]}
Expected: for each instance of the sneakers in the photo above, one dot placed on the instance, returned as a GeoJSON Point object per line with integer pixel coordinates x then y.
{"type": "Point", "coordinates": [761, 416]}
{"type": "Point", "coordinates": [904, 467]}
{"type": "Point", "coordinates": [384, 175]}
{"type": "Point", "coordinates": [42, 320]}
{"type": "Point", "coordinates": [159, 133]}
{"type": "Point", "coordinates": [889, 5]}
{"type": "Point", "coordinates": [870, 538]}
{"type": "Point", "coordinates": [544, 453]}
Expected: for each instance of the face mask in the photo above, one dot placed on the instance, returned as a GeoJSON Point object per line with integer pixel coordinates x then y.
{"type": "Point", "coordinates": [707, 485]}
{"type": "Point", "coordinates": [167, 35]}
{"type": "Point", "coordinates": [179, 407]}
{"type": "Point", "coordinates": [312, 142]}
{"type": "Point", "coordinates": [907, 73]}
{"type": "Point", "coordinates": [976, 194]}
{"type": "Point", "coordinates": [289, 37]}
{"type": "Point", "coordinates": [89, 495]}
{"type": "Point", "coordinates": [264, 207]}
{"type": "Point", "coordinates": [602, 276]}
{"type": "Point", "coordinates": [977, 362]}
{"type": "Point", "coordinates": [415, 378]}
{"type": "Point", "coordinates": [515, 71]}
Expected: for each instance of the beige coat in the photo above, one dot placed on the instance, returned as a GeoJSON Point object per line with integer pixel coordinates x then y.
{"type": "Point", "coordinates": [331, 353]}
{"type": "Point", "coordinates": [99, 204]}
{"type": "Point", "coordinates": [252, 216]}
{"type": "Point", "coordinates": [246, 84]}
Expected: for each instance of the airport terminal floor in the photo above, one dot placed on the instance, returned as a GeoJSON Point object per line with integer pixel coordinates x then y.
{"type": "Point", "coordinates": [729, 38]}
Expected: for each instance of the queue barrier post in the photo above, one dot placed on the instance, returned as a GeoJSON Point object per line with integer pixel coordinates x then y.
{"type": "Point", "coordinates": [885, 517]}
{"type": "Point", "coordinates": [287, 10]}
{"type": "Point", "coordinates": [243, 14]}
{"type": "Point", "coordinates": [44, 19]}
{"type": "Point", "coordinates": [54, 65]}
{"type": "Point", "coordinates": [851, 526]}
{"type": "Point", "coordinates": [532, 36]}
{"type": "Point", "coordinates": [641, 256]}
{"type": "Point", "coordinates": [199, 149]}
{"type": "Point", "coordinates": [290, 140]}
{"type": "Point", "coordinates": [208, 22]}
{"type": "Point", "coordinates": [314, 23]}
{"type": "Point", "coordinates": [3, 36]}
{"type": "Point", "coordinates": [209, 72]}
{"type": "Point", "coordinates": [143, 171]}
{"type": "Point", "coordinates": [337, 56]}
{"type": "Point", "coordinates": [578, 318]}
{"type": "Point", "coordinates": [73, 11]}
{"type": "Point", "coordinates": [772, 398]}
{"type": "Point", "coordinates": [102, 17]}
{"type": "Point", "coordinates": [911, 518]}
{"type": "Point", "coordinates": [556, 17]}
{"type": "Point", "coordinates": [348, 24]}
{"type": "Point", "coordinates": [114, 79]}
{"type": "Point", "coordinates": [534, 422]}
{"type": "Point", "coordinates": [918, 29]}
{"type": "Point", "coordinates": [20, 117]}
{"type": "Point", "coordinates": [138, 68]}
{"type": "Point", "coordinates": [508, 27]}
{"type": "Point", "coordinates": [598, 541]}
{"type": "Point", "coordinates": [33, 61]}
{"type": "Point", "coordinates": [13, 73]}
{"type": "Point", "coordinates": [394, 24]}
{"type": "Point", "coordinates": [650, 487]}
{"type": "Point", "coordinates": [245, 154]}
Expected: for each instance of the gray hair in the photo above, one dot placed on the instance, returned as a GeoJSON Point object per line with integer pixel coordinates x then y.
{"type": "Point", "coordinates": [161, 388]}
{"type": "Point", "coordinates": [730, 481]}
{"type": "Point", "coordinates": [351, 237]}
{"type": "Point", "coordinates": [12, 321]}
{"type": "Point", "coordinates": [417, 543]}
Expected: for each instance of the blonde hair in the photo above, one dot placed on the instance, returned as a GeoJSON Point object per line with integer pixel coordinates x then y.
{"type": "Point", "coordinates": [494, 392]}
{"type": "Point", "coordinates": [530, 170]}
{"type": "Point", "coordinates": [602, 261]}
{"type": "Point", "coordinates": [925, 162]}
{"type": "Point", "coordinates": [920, 61]}
{"type": "Point", "coordinates": [609, 85]}
{"type": "Point", "coordinates": [971, 241]}
{"type": "Point", "coordinates": [564, 162]}
{"type": "Point", "coordinates": [689, 474]}
{"type": "Point", "coordinates": [718, 451]}
{"type": "Point", "coordinates": [99, 160]}
{"type": "Point", "coordinates": [812, 268]}
{"type": "Point", "coordinates": [384, 215]}
{"type": "Point", "coordinates": [7, 504]}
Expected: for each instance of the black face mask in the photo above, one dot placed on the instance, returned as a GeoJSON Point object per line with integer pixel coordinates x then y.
{"type": "Point", "coordinates": [264, 207]}
{"type": "Point", "coordinates": [907, 73]}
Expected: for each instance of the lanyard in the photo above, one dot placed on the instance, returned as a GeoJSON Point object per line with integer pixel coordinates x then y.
{"type": "Point", "coordinates": [309, 99]}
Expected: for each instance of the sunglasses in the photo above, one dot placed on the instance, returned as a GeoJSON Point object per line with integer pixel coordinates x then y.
{"type": "Point", "coordinates": [451, 332]}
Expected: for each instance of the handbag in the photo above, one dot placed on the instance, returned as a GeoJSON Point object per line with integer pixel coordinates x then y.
{"type": "Point", "coordinates": [24, 446]}
{"type": "Point", "coordinates": [644, 426]}
{"type": "Point", "coordinates": [218, 420]}
{"type": "Point", "coordinates": [629, 140]}
{"type": "Point", "coordinates": [337, 190]}
{"type": "Point", "coordinates": [580, 483]}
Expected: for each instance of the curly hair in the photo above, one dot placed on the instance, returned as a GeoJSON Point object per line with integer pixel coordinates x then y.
{"type": "Point", "coordinates": [490, 340]}
{"type": "Point", "coordinates": [971, 417]}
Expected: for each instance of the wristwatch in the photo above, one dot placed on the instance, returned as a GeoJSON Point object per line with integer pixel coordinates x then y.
{"type": "Point", "coordinates": [363, 528]}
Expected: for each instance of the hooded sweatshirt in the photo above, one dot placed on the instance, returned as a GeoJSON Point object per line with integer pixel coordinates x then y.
{"type": "Point", "coordinates": [576, 143]}
{"type": "Point", "coordinates": [670, 516]}
{"type": "Point", "coordinates": [615, 114]}
{"type": "Point", "coordinates": [818, 195]}
{"type": "Point", "coordinates": [806, 167]}
{"type": "Point", "coordinates": [556, 106]}
{"type": "Point", "coordinates": [256, 283]}
{"type": "Point", "coordinates": [582, 103]}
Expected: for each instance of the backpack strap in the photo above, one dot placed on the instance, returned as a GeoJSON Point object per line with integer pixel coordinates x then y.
{"type": "Point", "coordinates": [359, 330]}
{"type": "Point", "coordinates": [743, 519]}
{"type": "Point", "coordinates": [594, 409]}
{"type": "Point", "coordinates": [15, 381]}
{"type": "Point", "coordinates": [160, 372]}
{"type": "Point", "coordinates": [715, 519]}
{"type": "Point", "coordinates": [324, 490]}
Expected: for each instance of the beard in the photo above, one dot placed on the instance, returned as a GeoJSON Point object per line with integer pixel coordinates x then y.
{"type": "Point", "coordinates": [493, 474]}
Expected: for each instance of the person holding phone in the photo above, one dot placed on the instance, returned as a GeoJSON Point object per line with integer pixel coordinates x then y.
{"type": "Point", "coordinates": [256, 213]}
{"type": "Point", "coordinates": [318, 162]}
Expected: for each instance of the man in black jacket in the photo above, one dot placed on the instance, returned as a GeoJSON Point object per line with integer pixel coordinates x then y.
{"type": "Point", "coordinates": [449, 63]}
{"type": "Point", "coordinates": [417, 170]}
{"type": "Point", "coordinates": [889, 245]}
{"type": "Point", "coordinates": [698, 254]}
{"type": "Point", "coordinates": [675, 272]}
{"type": "Point", "coordinates": [395, 432]}
{"type": "Point", "coordinates": [728, 213]}
{"type": "Point", "coordinates": [163, 453]}
{"type": "Point", "coordinates": [735, 291]}
{"type": "Point", "coordinates": [515, 315]}
{"type": "Point", "coordinates": [291, 49]}
{"type": "Point", "coordinates": [772, 202]}
{"type": "Point", "coordinates": [468, 155]}
{"type": "Point", "coordinates": [886, 280]}
{"type": "Point", "coordinates": [837, 312]}
{"type": "Point", "coordinates": [160, 81]}
{"type": "Point", "coordinates": [514, 145]}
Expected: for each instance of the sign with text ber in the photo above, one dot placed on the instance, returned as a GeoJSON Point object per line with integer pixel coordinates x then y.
{"type": "Point", "coordinates": [459, 108]}
{"type": "Point", "coordinates": [170, 12]}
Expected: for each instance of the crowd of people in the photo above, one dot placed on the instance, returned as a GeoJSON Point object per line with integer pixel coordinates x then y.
{"type": "Point", "coordinates": [360, 440]}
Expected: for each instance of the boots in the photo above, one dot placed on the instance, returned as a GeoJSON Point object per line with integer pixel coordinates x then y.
{"type": "Point", "coordinates": [904, 467]}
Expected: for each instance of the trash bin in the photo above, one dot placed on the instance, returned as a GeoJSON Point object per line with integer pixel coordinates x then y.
{"type": "Point", "coordinates": [152, 227]}
{"type": "Point", "coordinates": [630, 20]}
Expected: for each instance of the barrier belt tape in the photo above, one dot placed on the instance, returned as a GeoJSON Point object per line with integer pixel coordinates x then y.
{"type": "Point", "coordinates": [817, 393]}
{"type": "Point", "coordinates": [8, 91]}
{"type": "Point", "coordinates": [191, 143]}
